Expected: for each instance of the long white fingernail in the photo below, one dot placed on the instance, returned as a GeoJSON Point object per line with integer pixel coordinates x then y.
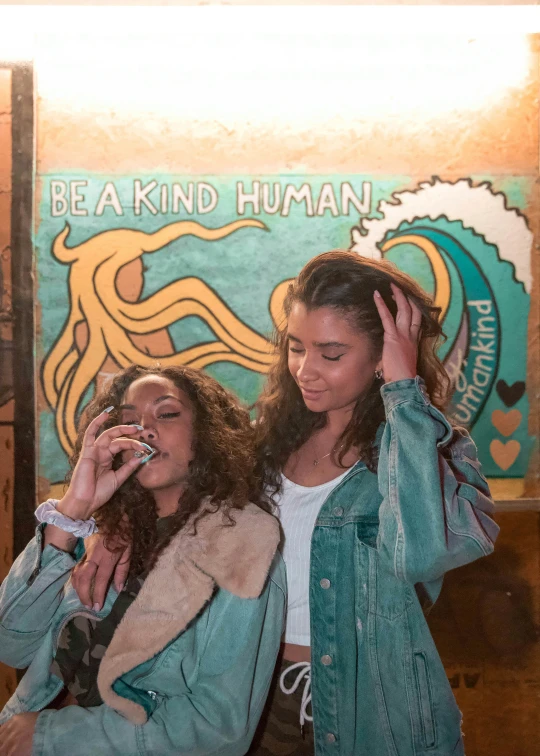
{"type": "Point", "coordinates": [139, 427]}
{"type": "Point", "coordinates": [109, 409]}
{"type": "Point", "coordinates": [148, 458]}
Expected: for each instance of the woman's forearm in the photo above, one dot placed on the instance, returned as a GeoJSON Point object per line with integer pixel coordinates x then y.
{"type": "Point", "coordinates": [56, 537]}
{"type": "Point", "coordinates": [29, 598]}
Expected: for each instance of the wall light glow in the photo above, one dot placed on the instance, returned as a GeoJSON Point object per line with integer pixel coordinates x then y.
{"type": "Point", "coordinates": [282, 78]}
{"type": "Point", "coordinates": [266, 66]}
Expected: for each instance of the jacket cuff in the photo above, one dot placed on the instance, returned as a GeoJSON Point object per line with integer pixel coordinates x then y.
{"type": "Point", "coordinates": [413, 391]}
{"type": "Point", "coordinates": [39, 557]}
{"type": "Point", "coordinates": [38, 741]}
{"type": "Point", "coordinates": [406, 390]}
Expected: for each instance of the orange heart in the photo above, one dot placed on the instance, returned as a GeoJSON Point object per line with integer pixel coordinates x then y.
{"type": "Point", "coordinates": [506, 422]}
{"type": "Point", "coordinates": [504, 454]}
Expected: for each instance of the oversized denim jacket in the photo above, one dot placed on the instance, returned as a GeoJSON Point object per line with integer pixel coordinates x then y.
{"type": "Point", "coordinates": [384, 542]}
{"type": "Point", "coordinates": [189, 667]}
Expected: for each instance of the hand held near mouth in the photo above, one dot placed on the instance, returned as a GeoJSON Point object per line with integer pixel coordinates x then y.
{"type": "Point", "coordinates": [94, 480]}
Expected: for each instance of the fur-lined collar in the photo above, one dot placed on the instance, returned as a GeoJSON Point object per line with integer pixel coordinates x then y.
{"type": "Point", "coordinates": [236, 558]}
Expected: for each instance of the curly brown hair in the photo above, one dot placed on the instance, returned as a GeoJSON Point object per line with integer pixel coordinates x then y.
{"type": "Point", "coordinates": [345, 282]}
{"type": "Point", "coordinates": [221, 475]}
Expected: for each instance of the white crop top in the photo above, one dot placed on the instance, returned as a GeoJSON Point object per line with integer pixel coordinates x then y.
{"type": "Point", "coordinates": [298, 508]}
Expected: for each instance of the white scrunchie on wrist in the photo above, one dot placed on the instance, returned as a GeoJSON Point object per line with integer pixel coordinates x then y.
{"type": "Point", "coordinates": [48, 513]}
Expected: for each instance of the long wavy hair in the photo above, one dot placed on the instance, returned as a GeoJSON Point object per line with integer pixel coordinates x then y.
{"type": "Point", "coordinates": [221, 475]}
{"type": "Point", "coordinates": [344, 282]}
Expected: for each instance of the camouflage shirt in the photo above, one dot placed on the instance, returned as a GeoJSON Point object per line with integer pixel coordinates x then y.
{"type": "Point", "coordinates": [84, 640]}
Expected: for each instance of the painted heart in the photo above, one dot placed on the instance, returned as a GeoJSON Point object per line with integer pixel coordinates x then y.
{"type": "Point", "coordinates": [506, 422]}
{"type": "Point", "coordinates": [504, 454]}
{"type": "Point", "coordinates": [510, 394]}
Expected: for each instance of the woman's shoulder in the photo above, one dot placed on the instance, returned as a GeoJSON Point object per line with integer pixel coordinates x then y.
{"type": "Point", "coordinates": [233, 524]}
{"type": "Point", "coordinates": [253, 514]}
{"type": "Point", "coordinates": [236, 548]}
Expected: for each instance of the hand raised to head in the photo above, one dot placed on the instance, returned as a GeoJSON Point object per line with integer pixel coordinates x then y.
{"type": "Point", "coordinates": [401, 336]}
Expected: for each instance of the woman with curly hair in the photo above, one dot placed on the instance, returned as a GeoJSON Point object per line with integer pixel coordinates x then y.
{"type": "Point", "coordinates": [180, 659]}
{"type": "Point", "coordinates": [378, 496]}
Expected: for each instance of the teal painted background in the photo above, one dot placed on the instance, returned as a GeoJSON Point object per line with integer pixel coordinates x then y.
{"type": "Point", "coordinates": [244, 268]}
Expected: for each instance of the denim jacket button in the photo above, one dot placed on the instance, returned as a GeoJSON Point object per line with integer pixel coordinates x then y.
{"type": "Point", "coordinates": [326, 660]}
{"type": "Point", "coordinates": [330, 737]}
{"type": "Point", "coordinates": [325, 583]}
{"type": "Point", "coordinates": [338, 511]}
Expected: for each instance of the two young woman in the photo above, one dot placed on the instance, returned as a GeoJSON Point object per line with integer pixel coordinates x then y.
{"type": "Point", "coordinates": [378, 496]}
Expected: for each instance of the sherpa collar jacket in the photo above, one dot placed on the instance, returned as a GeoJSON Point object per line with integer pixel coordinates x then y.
{"type": "Point", "coordinates": [188, 668]}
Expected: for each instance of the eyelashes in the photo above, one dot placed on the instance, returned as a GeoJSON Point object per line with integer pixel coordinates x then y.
{"type": "Point", "coordinates": [163, 416]}
{"type": "Point", "coordinates": [330, 359]}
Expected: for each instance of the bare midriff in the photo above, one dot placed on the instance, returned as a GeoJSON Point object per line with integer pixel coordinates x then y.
{"type": "Point", "coordinates": [294, 653]}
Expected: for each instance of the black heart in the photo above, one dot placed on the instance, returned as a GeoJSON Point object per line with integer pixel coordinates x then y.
{"type": "Point", "coordinates": [510, 394]}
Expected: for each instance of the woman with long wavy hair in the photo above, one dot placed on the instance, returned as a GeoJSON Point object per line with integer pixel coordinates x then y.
{"type": "Point", "coordinates": [378, 495]}
{"type": "Point", "coordinates": [179, 660]}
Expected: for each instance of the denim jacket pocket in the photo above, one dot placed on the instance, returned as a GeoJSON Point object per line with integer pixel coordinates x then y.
{"type": "Point", "coordinates": [427, 733]}
{"type": "Point", "coordinates": [391, 597]}
{"type": "Point", "coordinates": [381, 593]}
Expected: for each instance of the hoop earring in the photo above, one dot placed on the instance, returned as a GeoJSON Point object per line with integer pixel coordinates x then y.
{"type": "Point", "coordinates": [378, 374]}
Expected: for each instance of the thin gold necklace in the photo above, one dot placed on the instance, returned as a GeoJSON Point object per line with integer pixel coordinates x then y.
{"type": "Point", "coordinates": [332, 451]}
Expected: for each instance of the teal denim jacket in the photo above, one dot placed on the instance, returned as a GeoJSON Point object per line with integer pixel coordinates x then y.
{"type": "Point", "coordinates": [189, 667]}
{"type": "Point", "coordinates": [384, 543]}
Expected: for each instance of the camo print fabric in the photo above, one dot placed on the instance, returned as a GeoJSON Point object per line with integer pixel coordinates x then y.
{"type": "Point", "coordinates": [84, 640]}
{"type": "Point", "coordinates": [82, 645]}
{"type": "Point", "coordinates": [278, 733]}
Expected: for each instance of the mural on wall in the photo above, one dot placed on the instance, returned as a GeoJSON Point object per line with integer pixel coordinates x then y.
{"type": "Point", "coordinates": [194, 271]}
